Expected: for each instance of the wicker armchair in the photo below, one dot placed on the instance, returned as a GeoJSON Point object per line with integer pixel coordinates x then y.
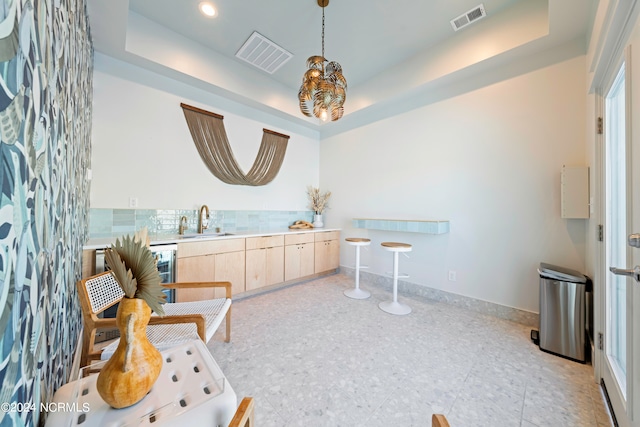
{"type": "Point", "coordinates": [244, 414]}
{"type": "Point", "coordinates": [182, 321]}
{"type": "Point", "coordinates": [439, 420]}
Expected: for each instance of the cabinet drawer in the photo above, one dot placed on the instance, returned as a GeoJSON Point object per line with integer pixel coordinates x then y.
{"type": "Point", "coordinates": [209, 247]}
{"type": "Point", "coordinates": [263, 242]}
{"type": "Point", "coordinates": [327, 235]}
{"type": "Point", "coordinates": [294, 239]}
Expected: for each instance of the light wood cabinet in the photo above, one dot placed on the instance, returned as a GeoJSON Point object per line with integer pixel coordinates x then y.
{"type": "Point", "coordinates": [248, 263]}
{"type": "Point", "coordinates": [230, 267]}
{"type": "Point", "coordinates": [298, 256]}
{"type": "Point", "coordinates": [275, 265]}
{"type": "Point", "coordinates": [209, 247]}
{"type": "Point", "coordinates": [254, 262]}
{"type": "Point", "coordinates": [211, 260]}
{"type": "Point", "coordinates": [195, 269]}
{"type": "Point", "coordinates": [264, 261]}
{"type": "Point", "coordinates": [327, 251]}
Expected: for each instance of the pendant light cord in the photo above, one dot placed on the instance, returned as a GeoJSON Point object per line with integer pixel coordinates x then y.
{"type": "Point", "coordinates": [323, 60]}
{"type": "Point", "coordinates": [323, 90]}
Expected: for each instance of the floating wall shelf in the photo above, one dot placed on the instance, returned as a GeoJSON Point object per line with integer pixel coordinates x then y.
{"type": "Point", "coordinates": [410, 226]}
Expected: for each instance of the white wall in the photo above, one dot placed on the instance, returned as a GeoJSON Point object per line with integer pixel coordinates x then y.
{"type": "Point", "coordinates": [489, 161]}
{"type": "Point", "coordinates": [142, 147]}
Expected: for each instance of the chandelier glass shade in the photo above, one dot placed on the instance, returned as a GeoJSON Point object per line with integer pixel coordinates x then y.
{"type": "Point", "coordinates": [324, 88]}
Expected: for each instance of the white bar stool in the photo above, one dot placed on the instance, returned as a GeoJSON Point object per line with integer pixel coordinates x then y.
{"type": "Point", "coordinates": [394, 307]}
{"type": "Point", "coordinates": [357, 293]}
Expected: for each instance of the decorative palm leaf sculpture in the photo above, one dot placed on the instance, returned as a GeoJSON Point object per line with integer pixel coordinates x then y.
{"type": "Point", "coordinates": [135, 268]}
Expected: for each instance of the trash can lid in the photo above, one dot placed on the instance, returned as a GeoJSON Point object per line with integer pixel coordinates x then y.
{"type": "Point", "coordinates": [561, 273]}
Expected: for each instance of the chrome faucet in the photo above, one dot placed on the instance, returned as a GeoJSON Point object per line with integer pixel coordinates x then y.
{"type": "Point", "coordinates": [183, 225]}
{"type": "Point", "coordinates": [201, 225]}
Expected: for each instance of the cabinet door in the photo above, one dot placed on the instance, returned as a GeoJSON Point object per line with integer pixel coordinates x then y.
{"type": "Point", "coordinates": [256, 270]}
{"type": "Point", "coordinates": [274, 265]}
{"type": "Point", "coordinates": [195, 269]}
{"type": "Point", "coordinates": [291, 262]}
{"type": "Point", "coordinates": [307, 260]}
{"type": "Point", "coordinates": [327, 256]}
{"type": "Point", "coordinates": [230, 267]}
{"type": "Point", "coordinates": [298, 261]}
{"type": "Point", "coordinates": [264, 267]}
{"type": "Point", "coordinates": [320, 256]}
{"type": "Point", "coordinates": [334, 254]}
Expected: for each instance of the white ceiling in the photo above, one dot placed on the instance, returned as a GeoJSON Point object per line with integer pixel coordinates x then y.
{"type": "Point", "coordinates": [394, 55]}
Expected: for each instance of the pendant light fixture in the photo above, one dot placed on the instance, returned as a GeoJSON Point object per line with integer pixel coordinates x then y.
{"type": "Point", "coordinates": [324, 88]}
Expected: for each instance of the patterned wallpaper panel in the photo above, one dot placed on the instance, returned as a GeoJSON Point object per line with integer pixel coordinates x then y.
{"type": "Point", "coordinates": [45, 127]}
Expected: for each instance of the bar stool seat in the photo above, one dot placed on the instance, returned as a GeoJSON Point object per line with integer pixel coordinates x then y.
{"type": "Point", "coordinates": [395, 307]}
{"type": "Point", "coordinates": [357, 293]}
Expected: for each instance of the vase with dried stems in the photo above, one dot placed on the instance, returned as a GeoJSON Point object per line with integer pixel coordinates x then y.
{"type": "Point", "coordinates": [135, 365]}
{"type": "Point", "coordinates": [318, 202]}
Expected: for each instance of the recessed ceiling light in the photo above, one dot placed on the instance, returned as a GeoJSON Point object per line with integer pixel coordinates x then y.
{"type": "Point", "coordinates": [207, 9]}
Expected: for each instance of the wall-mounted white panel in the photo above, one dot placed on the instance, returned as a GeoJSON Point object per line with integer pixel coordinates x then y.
{"type": "Point", "coordinates": [574, 192]}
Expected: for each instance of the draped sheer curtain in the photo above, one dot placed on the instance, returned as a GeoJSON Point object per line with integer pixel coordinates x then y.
{"type": "Point", "coordinates": [210, 137]}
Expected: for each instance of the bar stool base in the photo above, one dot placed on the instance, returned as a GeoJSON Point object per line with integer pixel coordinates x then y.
{"type": "Point", "coordinates": [394, 307]}
{"type": "Point", "coordinates": [357, 293]}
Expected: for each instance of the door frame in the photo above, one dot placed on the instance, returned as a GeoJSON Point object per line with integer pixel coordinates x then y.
{"type": "Point", "coordinates": [614, 23]}
{"type": "Point", "coordinates": [603, 268]}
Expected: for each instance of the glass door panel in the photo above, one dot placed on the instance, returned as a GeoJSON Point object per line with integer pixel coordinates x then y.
{"type": "Point", "coordinates": [616, 229]}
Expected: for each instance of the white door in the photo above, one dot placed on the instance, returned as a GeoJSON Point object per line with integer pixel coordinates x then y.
{"type": "Point", "coordinates": [621, 186]}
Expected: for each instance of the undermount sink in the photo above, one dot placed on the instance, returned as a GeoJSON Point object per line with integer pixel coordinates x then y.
{"type": "Point", "coordinates": [204, 235]}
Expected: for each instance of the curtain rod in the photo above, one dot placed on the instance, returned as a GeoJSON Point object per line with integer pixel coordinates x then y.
{"type": "Point", "coordinates": [199, 110]}
{"type": "Point", "coordinates": [275, 133]}
{"type": "Point", "coordinates": [218, 116]}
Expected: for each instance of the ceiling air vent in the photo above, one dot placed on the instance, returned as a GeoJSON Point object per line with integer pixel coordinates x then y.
{"type": "Point", "coordinates": [261, 52]}
{"type": "Point", "coordinates": [469, 17]}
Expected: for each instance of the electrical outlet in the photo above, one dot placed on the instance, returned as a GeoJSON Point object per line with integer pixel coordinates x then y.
{"type": "Point", "coordinates": [452, 275]}
{"type": "Point", "coordinates": [133, 202]}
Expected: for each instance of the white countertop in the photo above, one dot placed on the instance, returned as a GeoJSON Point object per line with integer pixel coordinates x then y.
{"type": "Point", "coordinates": [162, 239]}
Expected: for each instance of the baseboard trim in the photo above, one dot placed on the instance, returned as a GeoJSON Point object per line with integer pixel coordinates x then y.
{"type": "Point", "coordinates": [523, 317]}
{"type": "Point", "coordinates": [282, 285]}
{"type": "Point", "coordinates": [608, 400]}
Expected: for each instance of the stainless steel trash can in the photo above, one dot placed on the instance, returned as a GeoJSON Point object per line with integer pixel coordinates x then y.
{"type": "Point", "coordinates": [563, 311]}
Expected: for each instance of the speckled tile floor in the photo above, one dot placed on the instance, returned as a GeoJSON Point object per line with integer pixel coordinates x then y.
{"type": "Point", "coordinates": [312, 357]}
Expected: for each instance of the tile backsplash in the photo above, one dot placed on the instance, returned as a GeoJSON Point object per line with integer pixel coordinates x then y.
{"type": "Point", "coordinates": [116, 222]}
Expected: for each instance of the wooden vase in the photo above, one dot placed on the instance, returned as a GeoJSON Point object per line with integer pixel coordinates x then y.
{"type": "Point", "coordinates": [135, 366]}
